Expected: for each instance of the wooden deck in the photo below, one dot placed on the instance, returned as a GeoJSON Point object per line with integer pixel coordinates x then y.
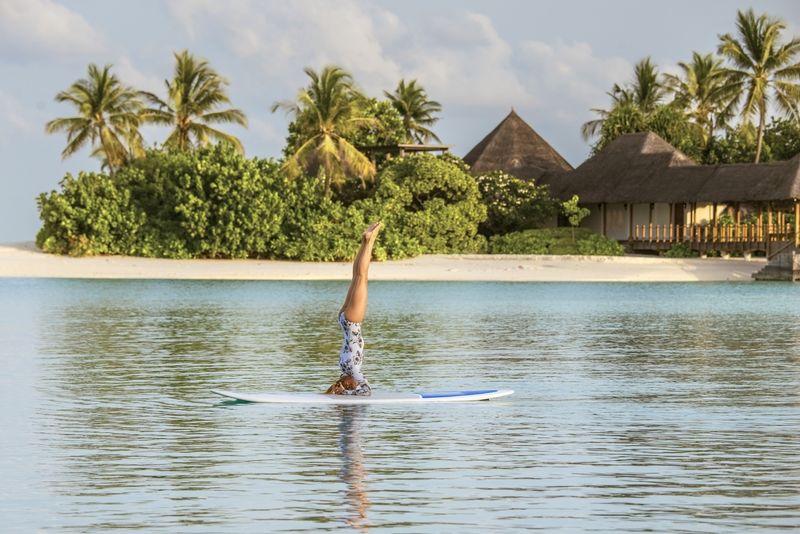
{"type": "Point", "coordinates": [766, 238]}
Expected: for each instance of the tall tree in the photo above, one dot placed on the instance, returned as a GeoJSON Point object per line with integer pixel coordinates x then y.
{"type": "Point", "coordinates": [194, 95]}
{"type": "Point", "coordinates": [704, 93]}
{"type": "Point", "coordinates": [108, 117]}
{"type": "Point", "coordinates": [411, 102]}
{"type": "Point", "coordinates": [645, 92]}
{"type": "Point", "coordinates": [325, 112]}
{"type": "Point", "coordinates": [762, 68]}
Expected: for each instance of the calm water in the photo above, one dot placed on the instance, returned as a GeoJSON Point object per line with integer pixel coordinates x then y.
{"type": "Point", "coordinates": [671, 407]}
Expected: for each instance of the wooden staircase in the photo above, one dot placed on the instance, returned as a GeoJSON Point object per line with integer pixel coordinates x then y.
{"type": "Point", "coordinates": [783, 264]}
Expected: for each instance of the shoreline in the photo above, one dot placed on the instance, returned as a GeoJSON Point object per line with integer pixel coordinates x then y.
{"type": "Point", "coordinates": [24, 260]}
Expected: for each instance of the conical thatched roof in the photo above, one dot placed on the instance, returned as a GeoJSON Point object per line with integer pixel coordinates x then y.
{"type": "Point", "coordinates": [642, 167]}
{"type": "Point", "coordinates": [514, 147]}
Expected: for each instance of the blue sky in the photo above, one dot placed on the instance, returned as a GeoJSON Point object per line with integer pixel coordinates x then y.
{"type": "Point", "coordinates": [550, 60]}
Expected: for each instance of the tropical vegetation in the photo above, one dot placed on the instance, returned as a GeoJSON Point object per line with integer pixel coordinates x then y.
{"type": "Point", "coordinates": [108, 118]}
{"type": "Point", "coordinates": [708, 109]}
{"type": "Point", "coordinates": [412, 104]}
{"type": "Point", "coordinates": [324, 113]}
{"type": "Point", "coordinates": [194, 95]}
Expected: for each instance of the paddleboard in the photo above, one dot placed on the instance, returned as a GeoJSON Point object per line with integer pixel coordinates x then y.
{"type": "Point", "coordinates": [376, 397]}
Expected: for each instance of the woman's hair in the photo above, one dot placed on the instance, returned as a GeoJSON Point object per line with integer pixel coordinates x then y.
{"type": "Point", "coordinates": [344, 384]}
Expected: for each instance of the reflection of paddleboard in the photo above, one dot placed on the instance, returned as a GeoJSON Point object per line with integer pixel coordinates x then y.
{"type": "Point", "coordinates": [375, 398]}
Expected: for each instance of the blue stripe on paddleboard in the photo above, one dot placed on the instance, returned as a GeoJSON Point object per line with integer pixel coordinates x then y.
{"type": "Point", "coordinates": [456, 393]}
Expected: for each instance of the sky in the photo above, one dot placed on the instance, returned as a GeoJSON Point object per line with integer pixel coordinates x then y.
{"type": "Point", "coordinates": [550, 60]}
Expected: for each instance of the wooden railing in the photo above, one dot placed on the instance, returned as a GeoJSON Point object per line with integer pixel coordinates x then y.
{"type": "Point", "coordinates": [709, 234]}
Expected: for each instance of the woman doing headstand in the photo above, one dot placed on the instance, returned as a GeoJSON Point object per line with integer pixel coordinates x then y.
{"type": "Point", "coordinates": [351, 314]}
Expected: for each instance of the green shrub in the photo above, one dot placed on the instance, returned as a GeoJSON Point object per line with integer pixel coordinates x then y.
{"type": "Point", "coordinates": [429, 205]}
{"type": "Point", "coordinates": [597, 245]}
{"type": "Point", "coordinates": [554, 241]}
{"type": "Point", "coordinates": [214, 203]}
{"type": "Point", "coordinates": [679, 250]}
{"type": "Point", "coordinates": [90, 215]}
{"type": "Point", "coordinates": [513, 204]}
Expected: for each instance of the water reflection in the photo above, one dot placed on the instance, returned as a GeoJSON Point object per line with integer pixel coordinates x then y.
{"type": "Point", "coordinates": [352, 420]}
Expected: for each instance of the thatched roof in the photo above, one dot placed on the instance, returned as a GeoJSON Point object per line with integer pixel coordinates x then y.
{"type": "Point", "coordinates": [514, 147]}
{"type": "Point", "coordinates": [642, 167]}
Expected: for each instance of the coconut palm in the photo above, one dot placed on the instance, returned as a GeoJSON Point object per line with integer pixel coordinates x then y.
{"type": "Point", "coordinates": [645, 92]}
{"type": "Point", "coordinates": [704, 93]}
{"type": "Point", "coordinates": [411, 102]}
{"type": "Point", "coordinates": [762, 68]}
{"type": "Point", "coordinates": [327, 110]}
{"type": "Point", "coordinates": [194, 95]}
{"type": "Point", "coordinates": [108, 118]}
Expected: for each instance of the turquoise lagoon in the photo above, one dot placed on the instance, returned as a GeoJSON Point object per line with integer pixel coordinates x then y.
{"type": "Point", "coordinates": [665, 407]}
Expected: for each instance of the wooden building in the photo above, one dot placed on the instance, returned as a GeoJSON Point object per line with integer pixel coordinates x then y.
{"type": "Point", "coordinates": [645, 193]}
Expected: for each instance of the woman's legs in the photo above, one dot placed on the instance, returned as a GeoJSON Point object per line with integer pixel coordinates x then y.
{"type": "Point", "coordinates": [350, 317]}
{"type": "Point", "coordinates": [355, 304]}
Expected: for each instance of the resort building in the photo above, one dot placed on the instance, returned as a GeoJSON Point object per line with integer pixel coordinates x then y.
{"type": "Point", "coordinates": [645, 193]}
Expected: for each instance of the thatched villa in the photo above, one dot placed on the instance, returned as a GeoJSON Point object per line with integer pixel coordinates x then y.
{"type": "Point", "coordinates": [644, 192]}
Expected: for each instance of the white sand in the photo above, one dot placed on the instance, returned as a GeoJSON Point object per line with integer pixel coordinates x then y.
{"type": "Point", "coordinates": [25, 260]}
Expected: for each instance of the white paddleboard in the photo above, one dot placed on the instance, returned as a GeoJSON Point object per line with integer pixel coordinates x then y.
{"type": "Point", "coordinates": [375, 398]}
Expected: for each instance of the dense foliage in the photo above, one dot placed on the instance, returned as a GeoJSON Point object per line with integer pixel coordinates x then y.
{"type": "Point", "coordinates": [513, 204]}
{"type": "Point", "coordinates": [554, 241]}
{"type": "Point", "coordinates": [214, 203]}
{"type": "Point", "coordinates": [756, 70]}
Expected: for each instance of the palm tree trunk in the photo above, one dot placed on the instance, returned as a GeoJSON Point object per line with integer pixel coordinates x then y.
{"type": "Point", "coordinates": [109, 158]}
{"type": "Point", "coordinates": [762, 112]}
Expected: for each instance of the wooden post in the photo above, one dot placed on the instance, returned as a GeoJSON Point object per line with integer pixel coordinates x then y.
{"type": "Point", "coordinates": [796, 223]}
{"type": "Point", "coordinates": [714, 214]}
{"type": "Point", "coordinates": [630, 220]}
{"type": "Point", "coordinates": [603, 210]}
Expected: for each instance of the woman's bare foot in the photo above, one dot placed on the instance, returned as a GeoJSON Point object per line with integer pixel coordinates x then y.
{"type": "Point", "coordinates": [371, 233]}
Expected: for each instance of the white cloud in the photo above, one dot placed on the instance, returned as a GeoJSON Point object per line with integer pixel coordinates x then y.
{"type": "Point", "coordinates": [129, 74]}
{"type": "Point", "coordinates": [44, 27]}
{"type": "Point", "coordinates": [15, 120]}
{"type": "Point", "coordinates": [289, 36]}
{"type": "Point", "coordinates": [569, 79]}
{"type": "Point", "coordinates": [461, 59]}
{"type": "Point", "coordinates": [11, 114]}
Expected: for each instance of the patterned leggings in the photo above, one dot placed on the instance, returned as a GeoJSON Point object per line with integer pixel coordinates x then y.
{"type": "Point", "coordinates": [352, 355]}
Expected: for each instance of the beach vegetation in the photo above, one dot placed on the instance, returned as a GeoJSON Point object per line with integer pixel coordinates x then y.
{"type": "Point", "coordinates": [192, 105]}
{"type": "Point", "coordinates": [212, 202]}
{"type": "Point", "coordinates": [680, 250]}
{"type": "Point", "coordinates": [574, 212]}
{"type": "Point", "coordinates": [715, 99]}
{"type": "Point", "coordinates": [513, 204]}
{"type": "Point", "coordinates": [325, 112]}
{"type": "Point", "coordinates": [89, 215]}
{"type": "Point", "coordinates": [573, 241]}
{"type": "Point", "coordinates": [418, 113]}
{"type": "Point", "coordinates": [108, 116]}
{"type": "Point", "coordinates": [762, 68]}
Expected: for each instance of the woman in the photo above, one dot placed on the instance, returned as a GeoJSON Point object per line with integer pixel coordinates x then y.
{"type": "Point", "coordinates": [351, 314]}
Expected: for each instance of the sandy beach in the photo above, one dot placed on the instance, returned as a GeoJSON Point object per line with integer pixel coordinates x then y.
{"type": "Point", "coordinates": [24, 260]}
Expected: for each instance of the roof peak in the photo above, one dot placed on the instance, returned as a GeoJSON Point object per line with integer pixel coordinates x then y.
{"type": "Point", "coordinates": [516, 148]}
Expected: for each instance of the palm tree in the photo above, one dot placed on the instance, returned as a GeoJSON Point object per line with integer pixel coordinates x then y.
{"type": "Point", "coordinates": [705, 94]}
{"type": "Point", "coordinates": [762, 68]}
{"type": "Point", "coordinates": [645, 92]}
{"type": "Point", "coordinates": [326, 111]}
{"type": "Point", "coordinates": [411, 102]}
{"type": "Point", "coordinates": [108, 118]}
{"type": "Point", "coordinates": [193, 97]}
